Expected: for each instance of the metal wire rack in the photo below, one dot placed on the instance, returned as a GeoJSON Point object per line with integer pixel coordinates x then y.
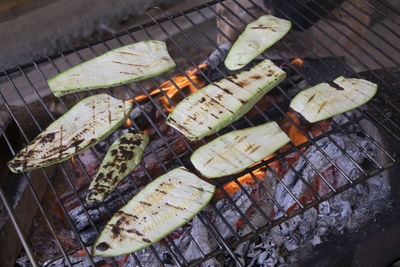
{"type": "Point", "coordinates": [47, 67]}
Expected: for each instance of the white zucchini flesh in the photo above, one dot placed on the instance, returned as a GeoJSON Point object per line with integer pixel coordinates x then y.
{"type": "Point", "coordinates": [85, 124]}
{"type": "Point", "coordinates": [237, 150]}
{"type": "Point", "coordinates": [121, 159]}
{"type": "Point", "coordinates": [134, 62]}
{"type": "Point", "coordinates": [324, 101]}
{"type": "Point", "coordinates": [217, 105]}
{"type": "Point", "coordinates": [255, 39]}
{"type": "Point", "coordinates": [165, 204]}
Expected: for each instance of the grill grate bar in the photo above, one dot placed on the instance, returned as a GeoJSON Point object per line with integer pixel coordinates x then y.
{"type": "Point", "coordinates": [223, 245]}
{"type": "Point", "coordinates": [346, 66]}
{"type": "Point", "coordinates": [267, 119]}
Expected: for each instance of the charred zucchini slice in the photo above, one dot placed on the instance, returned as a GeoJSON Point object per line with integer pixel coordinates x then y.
{"type": "Point", "coordinates": [126, 64]}
{"type": "Point", "coordinates": [257, 37]}
{"type": "Point", "coordinates": [85, 124]}
{"type": "Point", "coordinates": [217, 105]}
{"type": "Point", "coordinates": [121, 159]}
{"type": "Point", "coordinates": [237, 150]}
{"type": "Point", "coordinates": [327, 100]}
{"type": "Point", "coordinates": [162, 206]}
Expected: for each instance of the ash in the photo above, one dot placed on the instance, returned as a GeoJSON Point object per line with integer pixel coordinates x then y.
{"type": "Point", "coordinates": [287, 243]}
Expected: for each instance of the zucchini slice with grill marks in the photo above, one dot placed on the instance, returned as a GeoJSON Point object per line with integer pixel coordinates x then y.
{"type": "Point", "coordinates": [327, 100]}
{"type": "Point", "coordinates": [217, 105]}
{"type": "Point", "coordinates": [257, 37]}
{"type": "Point", "coordinates": [237, 150]}
{"type": "Point", "coordinates": [162, 206]}
{"type": "Point", "coordinates": [121, 159]}
{"type": "Point", "coordinates": [84, 125]}
{"type": "Point", "coordinates": [125, 64]}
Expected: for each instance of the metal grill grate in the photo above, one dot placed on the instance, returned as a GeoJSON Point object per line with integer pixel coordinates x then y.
{"type": "Point", "coordinates": [18, 85]}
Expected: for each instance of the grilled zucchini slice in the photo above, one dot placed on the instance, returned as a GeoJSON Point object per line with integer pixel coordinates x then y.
{"type": "Point", "coordinates": [327, 100]}
{"type": "Point", "coordinates": [237, 150]}
{"type": "Point", "coordinates": [121, 159]}
{"type": "Point", "coordinates": [126, 64]}
{"type": "Point", "coordinates": [162, 206]}
{"type": "Point", "coordinates": [217, 105]}
{"type": "Point", "coordinates": [85, 124]}
{"type": "Point", "coordinates": [255, 39]}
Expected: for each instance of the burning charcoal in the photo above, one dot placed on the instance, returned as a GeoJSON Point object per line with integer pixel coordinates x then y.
{"type": "Point", "coordinates": [230, 213]}
{"type": "Point", "coordinates": [322, 164]}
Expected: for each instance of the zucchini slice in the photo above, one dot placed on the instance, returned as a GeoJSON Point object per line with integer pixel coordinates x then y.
{"type": "Point", "coordinates": [121, 159]}
{"type": "Point", "coordinates": [85, 124]}
{"type": "Point", "coordinates": [327, 100]}
{"type": "Point", "coordinates": [255, 39]}
{"type": "Point", "coordinates": [217, 105]}
{"type": "Point", "coordinates": [165, 204]}
{"type": "Point", "coordinates": [237, 150]}
{"type": "Point", "coordinates": [125, 64]}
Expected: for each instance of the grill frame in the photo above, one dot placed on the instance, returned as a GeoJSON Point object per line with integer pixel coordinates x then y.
{"type": "Point", "coordinates": [223, 246]}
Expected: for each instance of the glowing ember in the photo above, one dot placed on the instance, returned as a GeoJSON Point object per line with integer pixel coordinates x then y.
{"type": "Point", "coordinates": [185, 83]}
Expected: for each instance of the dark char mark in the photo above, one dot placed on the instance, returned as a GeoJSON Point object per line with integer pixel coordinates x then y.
{"type": "Point", "coordinates": [337, 87]}
{"type": "Point", "coordinates": [103, 246]}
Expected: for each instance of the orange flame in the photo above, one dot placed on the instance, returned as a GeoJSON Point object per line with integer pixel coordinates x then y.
{"type": "Point", "coordinates": [128, 123]}
{"type": "Point", "coordinates": [297, 63]}
{"type": "Point", "coordinates": [185, 83]}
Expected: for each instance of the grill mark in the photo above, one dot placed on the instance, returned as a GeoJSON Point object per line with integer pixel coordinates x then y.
{"type": "Point", "coordinates": [129, 73]}
{"type": "Point", "coordinates": [208, 161]}
{"type": "Point", "coordinates": [311, 98]}
{"type": "Point", "coordinates": [161, 191]}
{"type": "Point", "coordinates": [134, 231]}
{"type": "Point", "coordinates": [146, 240]}
{"type": "Point", "coordinates": [103, 246]}
{"type": "Point", "coordinates": [183, 128]}
{"type": "Point", "coordinates": [255, 149]}
{"type": "Point", "coordinates": [61, 140]}
{"type": "Point", "coordinates": [127, 53]}
{"type": "Point", "coordinates": [322, 106]}
{"type": "Point", "coordinates": [240, 84]}
{"type": "Point", "coordinates": [201, 189]}
{"type": "Point", "coordinates": [145, 203]}
{"type": "Point", "coordinates": [173, 206]}
{"type": "Point", "coordinates": [129, 64]}
{"type": "Point", "coordinates": [248, 148]}
{"type": "Point", "coordinates": [215, 116]}
{"type": "Point", "coordinates": [109, 112]}
{"type": "Point", "coordinates": [241, 139]}
{"type": "Point", "coordinates": [93, 115]}
{"type": "Point", "coordinates": [336, 86]}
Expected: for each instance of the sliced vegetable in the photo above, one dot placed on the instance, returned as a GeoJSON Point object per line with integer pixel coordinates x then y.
{"type": "Point", "coordinates": [217, 105]}
{"type": "Point", "coordinates": [327, 100]}
{"type": "Point", "coordinates": [257, 37]}
{"type": "Point", "coordinates": [121, 159]}
{"type": "Point", "coordinates": [126, 64]}
{"type": "Point", "coordinates": [84, 125]}
{"type": "Point", "coordinates": [162, 206]}
{"type": "Point", "coordinates": [237, 150]}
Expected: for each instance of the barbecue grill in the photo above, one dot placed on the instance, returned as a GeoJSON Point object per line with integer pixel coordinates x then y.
{"type": "Point", "coordinates": [338, 46]}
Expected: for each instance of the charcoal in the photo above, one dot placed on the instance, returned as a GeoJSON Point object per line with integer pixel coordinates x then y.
{"type": "Point", "coordinates": [321, 163]}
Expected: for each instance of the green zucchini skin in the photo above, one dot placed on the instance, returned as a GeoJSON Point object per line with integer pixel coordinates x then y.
{"type": "Point", "coordinates": [323, 101]}
{"type": "Point", "coordinates": [237, 150]}
{"type": "Point", "coordinates": [120, 160]}
{"type": "Point", "coordinates": [84, 125]}
{"type": "Point", "coordinates": [134, 62]}
{"type": "Point", "coordinates": [165, 204]}
{"type": "Point", "coordinates": [217, 105]}
{"type": "Point", "coordinates": [255, 39]}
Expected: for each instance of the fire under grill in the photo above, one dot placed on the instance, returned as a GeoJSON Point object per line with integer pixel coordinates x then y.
{"type": "Point", "coordinates": [330, 180]}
